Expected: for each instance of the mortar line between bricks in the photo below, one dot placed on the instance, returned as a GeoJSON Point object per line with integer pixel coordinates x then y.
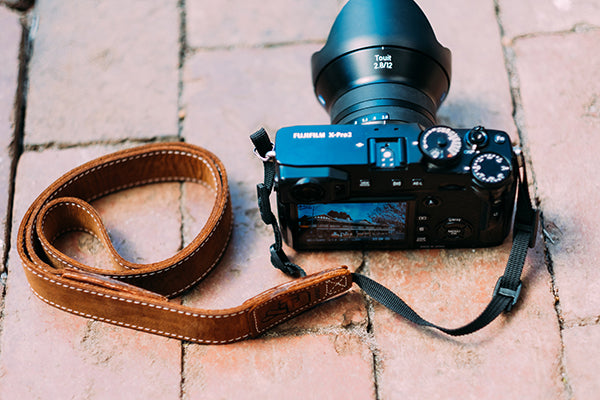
{"type": "Point", "coordinates": [16, 149]}
{"type": "Point", "coordinates": [69, 145]}
{"type": "Point", "coordinates": [194, 50]}
{"type": "Point", "coordinates": [366, 270]}
{"type": "Point", "coordinates": [561, 322]}
{"type": "Point", "coordinates": [518, 117]}
{"type": "Point", "coordinates": [575, 29]}
{"type": "Point", "coordinates": [16, 145]}
{"type": "Point", "coordinates": [183, 48]}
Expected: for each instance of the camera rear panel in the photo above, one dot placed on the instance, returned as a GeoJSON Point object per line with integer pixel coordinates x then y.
{"type": "Point", "coordinates": [393, 186]}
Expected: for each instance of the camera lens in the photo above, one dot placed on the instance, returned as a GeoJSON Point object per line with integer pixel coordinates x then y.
{"type": "Point", "coordinates": [307, 191]}
{"type": "Point", "coordinates": [382, 63]}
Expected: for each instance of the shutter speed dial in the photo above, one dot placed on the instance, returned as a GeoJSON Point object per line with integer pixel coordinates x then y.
{"type": "Point", "coordinates": [491, 169]}
{"type": "Point", "coordinates": [440, 145]}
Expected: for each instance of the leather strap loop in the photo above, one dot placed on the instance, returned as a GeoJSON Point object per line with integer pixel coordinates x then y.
{"type": "Point", "coordinates": [135, 295]}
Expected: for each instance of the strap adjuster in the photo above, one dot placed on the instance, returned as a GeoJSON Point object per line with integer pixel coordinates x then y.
{"type": "Point", "coordinates": [506, 292]}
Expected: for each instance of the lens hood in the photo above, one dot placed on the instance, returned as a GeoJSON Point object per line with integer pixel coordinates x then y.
{"type": "Point", "coordinates": [389, 29]}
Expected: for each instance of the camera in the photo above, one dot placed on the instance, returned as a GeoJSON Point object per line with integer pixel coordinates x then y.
{"type": "Point", "coordinates": [385, 174]}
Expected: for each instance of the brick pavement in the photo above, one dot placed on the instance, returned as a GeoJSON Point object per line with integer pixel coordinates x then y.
{"type": "Point", "coordinates": [106, 76]}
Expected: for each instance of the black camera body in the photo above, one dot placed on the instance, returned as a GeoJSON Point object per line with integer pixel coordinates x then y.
{"type": "Point", "coordinates": [385, 174]}
{"type": "Point", "coordinates": [394, 186]}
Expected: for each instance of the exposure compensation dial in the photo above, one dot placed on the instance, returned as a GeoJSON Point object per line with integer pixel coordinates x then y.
{"type": "Point", "coordinates": [491, 169]}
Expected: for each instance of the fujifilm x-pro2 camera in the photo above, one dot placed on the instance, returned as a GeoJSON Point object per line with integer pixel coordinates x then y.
{"type": "Point", "coordinates": [385, 174]}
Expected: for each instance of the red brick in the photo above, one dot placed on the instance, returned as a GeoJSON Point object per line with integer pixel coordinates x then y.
{"type": "Point", "coordinates": [257, 22]}
{"type": "Point", "coordinates": [48, 353]}
{"type": "Point", "coordinates": [113, 78]}
{"type": "Point", "coordinates": [517, 356]}
{"type": "Point", "coordinates": [582, 359]}
{"type": "Point", "coordinates": [561, 100]}
{"type": "Point", "coordinates": [318, 366]}
{"type": "Point", "coordinates": [521, 17]}
{"type": "Point", "coordinates": [479, 91]}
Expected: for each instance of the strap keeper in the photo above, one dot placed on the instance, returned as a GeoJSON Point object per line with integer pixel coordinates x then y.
{"type": "Point", "coordinates": [506, 292]}
{"type": "Point", "coordinates": [264, 206]}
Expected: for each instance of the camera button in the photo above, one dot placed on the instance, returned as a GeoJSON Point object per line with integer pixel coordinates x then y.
{"type": "Point", "coordinates": [364, 183]}
{"type": "Point", "coordinates": [396, 183]}
{"type": "Point", "coordinates": [500, 139]}
{"type": "Point", "coordinates": [455, 229]}
{"type": "Point", "coordinates": [422, 229]}
{"type": "Point", "coordinates": [431, 201]}
{"type": "Point", "coordinates": [421, 239]}
{"type": "Point", "coordinates": [423, 218]}
{"type": "Point", "coordinates": [417, 182]}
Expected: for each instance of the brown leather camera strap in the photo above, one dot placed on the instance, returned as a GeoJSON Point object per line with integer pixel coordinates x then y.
{"type": "Point", "coordinates": [136, 295]}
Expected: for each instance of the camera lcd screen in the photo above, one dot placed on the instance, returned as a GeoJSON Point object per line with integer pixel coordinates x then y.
{"type": "Point", "coordinates": [352, 222]}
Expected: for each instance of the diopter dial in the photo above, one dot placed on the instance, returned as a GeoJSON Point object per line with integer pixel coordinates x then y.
{"type": "Point", "coordinates": [440, 145]}
{"type": "Point", "coordinates": [491, 169]}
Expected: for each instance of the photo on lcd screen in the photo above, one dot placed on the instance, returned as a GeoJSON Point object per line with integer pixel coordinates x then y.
{"type": "Point", "coordinates": [351, 222]}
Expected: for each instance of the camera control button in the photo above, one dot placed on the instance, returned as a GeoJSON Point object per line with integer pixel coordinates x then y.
{"type": "Point", "coordinates": [477, 137]}
{"type": "Point", "coordinates": [364, 183]}
{"type": "Point", "coordinates": [431, 201]}
{"type": "Point", "coordinates": [422, 229]}
{"type": "Point", "coordinates": [423, 219]}
{"type": "Point", "coordinates": [455, 229]}
{"type": "Point", "coordinates": [396, 182]}
{"type": "Point", "coordinates": [417, 182]}
{"type": "Point", "coordinates": [500, 139]}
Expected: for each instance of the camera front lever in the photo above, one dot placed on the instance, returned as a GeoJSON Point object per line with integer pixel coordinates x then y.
{"type": "Point", "coordinates": [506, 291]}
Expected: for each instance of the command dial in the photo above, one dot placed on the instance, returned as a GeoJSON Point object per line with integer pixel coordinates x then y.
{"type": "Point", "coordinates": [440, 145]}
{"type": "Point", "coordinates": [490, 169]}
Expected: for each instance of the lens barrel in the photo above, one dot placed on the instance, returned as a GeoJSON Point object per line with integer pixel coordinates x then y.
{"type": "Point", "coordinates": [382, 63]}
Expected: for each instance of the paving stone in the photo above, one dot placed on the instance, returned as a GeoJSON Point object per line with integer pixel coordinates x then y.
{"type": "Point", "coordinates": [479, 91]}
{"type": "Point", "coordinates": [316, 367]}
{"type": "Point", "coordinates": [10, 41]}
{"type": "Point", "coordinates": [43, 346]}
{"type": "Point", "coordinates": [522, 17]}
{"type": "Point", "coordinates": [103, 71]}
{"type": "Point", "coordinates": [582, 359]}
{"type": "Point", "coordinates": [562, 115]}
{"type": "Point", "coordinates": [254, 22]}
{"type": "Point", "coordinates": [517, 356]}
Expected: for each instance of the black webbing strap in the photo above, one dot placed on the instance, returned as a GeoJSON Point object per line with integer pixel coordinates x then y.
{"type": "Point", "coordinates": [508, 287]}
{"type": "Point", "coordinates": [263, 149]}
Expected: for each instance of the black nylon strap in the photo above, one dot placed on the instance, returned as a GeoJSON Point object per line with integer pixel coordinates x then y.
{"type": "Point", "coordinates": [505, 294]}
{"type": "Point", "coordinates": [262, 146]}
{"type": "Point", "coordinates": [508, 287]}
